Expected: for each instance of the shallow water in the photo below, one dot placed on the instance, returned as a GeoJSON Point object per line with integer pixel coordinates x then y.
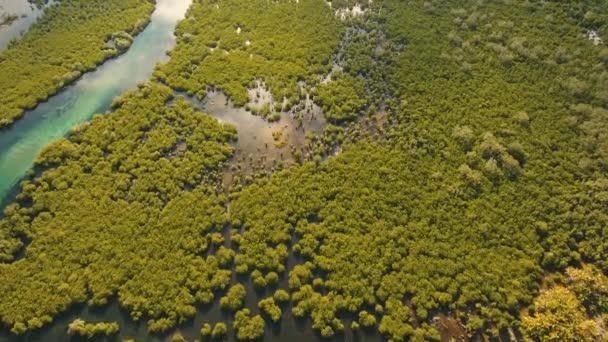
{"type": "Point", "coordinates": [27, 13]}
{"type": "Point", "coordinates": [257, 147]}
{"type": "Point", "coordinates": [93, 93]}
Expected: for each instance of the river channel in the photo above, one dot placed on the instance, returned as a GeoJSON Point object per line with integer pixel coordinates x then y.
{"type": "Point", "coordinates": [93, 93]}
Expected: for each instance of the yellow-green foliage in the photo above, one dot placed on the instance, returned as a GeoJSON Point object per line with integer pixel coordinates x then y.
{"type": "Point", "coordinates": [178, 337]}
{"type": "Point", "coordinates": [206, 329]}
{"type": "Point", "coordinates": [270, 308]}
{"type": "Point", "coordinates": [438, 215]}
{"type": "Point", "coordinates": [366, 319]}
{"type": "Point", "coordinates": [248, 327]}
{"type": "Point", "coordinates": [491, 171]}
{"type": "Point", "coordinates": [590, 287]}
{"type": "Point", "coordinates": [572, 311]}
{"type": "Point", "coordinates": [342, 98]}
{"type": "Point", "coordinates": [69, 39]}
{"type": "Point", "coordinates": [112, 217]}
{"type": "Point", "coordinates": [281, 296]}
{"type": "Point", "coordinates": [558, 316]}
{"type": "Point", "coordinates": [219, 330]}
{"type": "Point", "coordinates": [376, 245]}
{"type": "Point", "coordinates": [235, 298]}
{"type": "Point", "coordinates": [289, 41]}
{"type": "Point", "coordinates": [81, 328]}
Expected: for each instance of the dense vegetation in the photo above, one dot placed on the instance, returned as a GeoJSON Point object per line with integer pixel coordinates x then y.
{"type": "Point", "coordinates": [124, 208]}
{"type": "Point", "coordinates": [482, 202]}
{"type": "Point", "coordinates": [342, 98]}
{"type": "Point", "coordinates": [496, 129]}
{"type": "Point", "coordinates": [231, 44]}
{"type": "Point", "coordinates": [69, 39]}
{"type": "Point", "coordinates": [358, 82]}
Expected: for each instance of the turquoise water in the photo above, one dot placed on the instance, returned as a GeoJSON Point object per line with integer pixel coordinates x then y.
{"type": "Point", "coordinates": [91, 94]}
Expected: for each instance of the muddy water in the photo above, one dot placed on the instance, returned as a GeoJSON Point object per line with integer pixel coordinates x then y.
{"type": "Point", "coordinates": [262, 144]}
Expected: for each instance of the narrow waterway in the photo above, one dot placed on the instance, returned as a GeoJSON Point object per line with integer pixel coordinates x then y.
{"type": "Point", "coordinates": [91, 94]}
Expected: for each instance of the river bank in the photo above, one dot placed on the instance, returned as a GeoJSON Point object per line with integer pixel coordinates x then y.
{"type": "Point", "coordinates": [92, 93]}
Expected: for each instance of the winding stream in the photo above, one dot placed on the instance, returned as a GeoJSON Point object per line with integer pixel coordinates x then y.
{"type": "Point", "coordinates": [91, 94]}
